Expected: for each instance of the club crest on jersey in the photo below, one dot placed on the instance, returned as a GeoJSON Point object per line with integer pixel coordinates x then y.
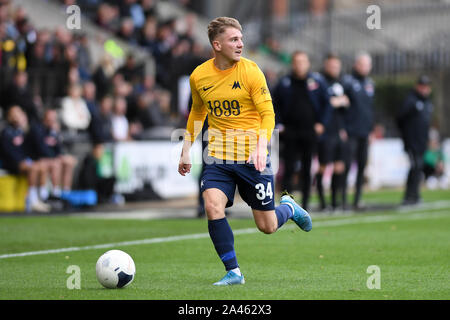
{"type": "Point", "coordinates": [51, 141]}
{"type": "Point", "coordinates": [419, 105]}
{"type": "Point", "coordinates": [369, 89]}
{"type": "Point", "coordinates": [336, 90]}
{"type": "Point", "coordinates": [356, 86]}
{"type": "Point", "coordinates": [312, 84]}
{"type": "Point", "coordinates": [264, 91]}
{"type": "Point", "coordinates": [17, 140]}
{"type": "Point", "coordinates": [236, 85]}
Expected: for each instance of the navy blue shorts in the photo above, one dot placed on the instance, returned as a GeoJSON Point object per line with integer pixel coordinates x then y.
{"type": "Point", "coordinates": [331, 149]}
{"type": "Point", "coordinates": [255, 188]}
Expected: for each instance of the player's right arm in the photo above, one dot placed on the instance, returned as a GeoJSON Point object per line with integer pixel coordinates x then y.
{"type": "Point", "coordinates": [193, 128]}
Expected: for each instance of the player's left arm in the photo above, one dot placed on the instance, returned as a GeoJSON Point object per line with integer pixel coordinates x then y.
{"type": "Point", "coordinates": [259, 155]}
{"type": "Point", "coordinates": [263, 103]}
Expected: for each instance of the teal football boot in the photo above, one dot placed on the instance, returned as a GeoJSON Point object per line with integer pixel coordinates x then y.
{"type": "Point", "coordinates": [230, 278]}
{"type": "Point", "coordinates": [300, 217]}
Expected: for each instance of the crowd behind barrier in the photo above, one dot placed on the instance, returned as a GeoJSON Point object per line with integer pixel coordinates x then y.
{"type": "Point", "coordinates": [60, 113]}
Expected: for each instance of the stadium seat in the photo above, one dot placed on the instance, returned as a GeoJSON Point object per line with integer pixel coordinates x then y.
{"type": "Point", "coordinates": [13, 192]}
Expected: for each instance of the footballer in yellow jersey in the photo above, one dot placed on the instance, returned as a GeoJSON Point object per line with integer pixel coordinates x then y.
{"type": "Point", "coordinates": [238, 104]}
{"type": "Point", "coordinates": [233, 92]}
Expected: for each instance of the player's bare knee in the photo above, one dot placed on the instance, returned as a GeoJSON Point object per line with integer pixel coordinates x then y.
{"type": "Point", "coordinates": [270, 230]}
{"type": "Point", "coordinates": [267, 228]}
{"type": "Point", "coordinates": [214, 210]}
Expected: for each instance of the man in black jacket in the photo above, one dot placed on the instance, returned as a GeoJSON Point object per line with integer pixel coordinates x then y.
{"type": "Point", "coordinates": [332, 145]}
{"type": "Point", "coordinates": [359, 120]}
{"type": "Point", "coordinates": [302, 109]}
{"type": "Point", "coordinates": [18, 93]}
{"type": "Point", "coordinates": [413, 119]}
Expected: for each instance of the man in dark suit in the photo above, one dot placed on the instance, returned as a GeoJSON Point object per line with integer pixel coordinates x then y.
{"type": "Point", "coordinates": [302, 108]}
{"type": "Point", "coordinates": [413, 119]}
{"type": "Point", "coordinates": [359, 120]}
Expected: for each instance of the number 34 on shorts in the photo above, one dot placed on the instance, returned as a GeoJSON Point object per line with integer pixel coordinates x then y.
{"type": "Point", "coordinates": [264, 193]}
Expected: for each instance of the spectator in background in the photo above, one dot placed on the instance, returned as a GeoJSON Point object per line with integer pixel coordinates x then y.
{"type": "Point", "coordinates": [148, 32]}
{"type": "Point", "coordinates": [91, 175]}
{"type": "Point", "coordinates": [74, 110]}
{"type": "Point", "coordinates": [183, 62]}
{"type": "Point", "coordinates": [26, 36]}
{"type": "Point", "coordinates": [166, 40]}
{"type": "Point", "coordinates": [8, 49]}
{"type": "Point", "coordinates": [434, 163]}
{"type": "Point", "coordinates": [65, 162]}
{"type": "Point", "coordinates": [46, 142]}
{"type": "Point", "coordinates": [163, 111]}
{"type": "Point", "coordinates": [18, 93]}
{"type": "Point", "coordinates": [303, 104]}
{"type": "Point", "coordinates": [359, 121]}
{"type": "Point", "coordinates": [102, 76]}
{"type": "Point", "coordinates": [121, 87]}
{"type": "Point", "coordinates": [150, 113]}
{"type": "Point", "coordinates": [133, 9]}
{"type": "Point", "coordinates": [188, 24]}
{"type": "Point", "coordinates": [62, 38]}
{"type": "Point", "coordinates": [272, 47]}
{"type": "Point", "coordinates": [73, 76]}
{"type": "Point", "coordinates": [147, 85]}
{"type": "Point", "coordinates": [63, 58]}
{"type": "Point", "coordinates": [42, 54]}
{"type": "Point", "coordinates": [107, 17]}
{"type": "Point", "coordinates": [124, 89]}
{"type": "Point", "coordinates": [148, 8]}
{"type": "Point", "coordinates": [38, 59]}
{"type": "Point", "coordinates": [120, 125]}
{"type": "Point", "coordinates": [16, 155]}
{"type": "Point", "coordinates": [143, 119]}
{"type": "Point", "coordinates": [89, 95]}
{"type": "Point", "coordinates": [127, 31]}
{"type": "Point", "coordinates": [84, 59]}
{"type": "Point", "coordinates": [101, 125]}
{"type": "Point", "coordinates": [413, 119]}
{"type": "Point", "coordinates": [130, 70]}
{"type": "Point", "coordinates": [71, 55]}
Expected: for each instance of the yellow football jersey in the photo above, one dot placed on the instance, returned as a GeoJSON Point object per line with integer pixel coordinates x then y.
{"type": "Point", "coordinates": [238, 104]}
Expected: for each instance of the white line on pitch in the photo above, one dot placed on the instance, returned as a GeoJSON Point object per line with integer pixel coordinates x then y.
{"type": "Point", "coordinates": [318, 224]}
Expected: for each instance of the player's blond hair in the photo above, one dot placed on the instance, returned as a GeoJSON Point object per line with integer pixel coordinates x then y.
{"type": "Point", "coordinates": [219, 25]}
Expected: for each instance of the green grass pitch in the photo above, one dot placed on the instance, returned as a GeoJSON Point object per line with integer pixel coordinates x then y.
{"type": "Point", "coordinates": [410, 248]}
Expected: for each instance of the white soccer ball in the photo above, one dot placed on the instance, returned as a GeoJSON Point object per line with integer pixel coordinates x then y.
{"type": "Point", "coordinates": [115, 269]}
